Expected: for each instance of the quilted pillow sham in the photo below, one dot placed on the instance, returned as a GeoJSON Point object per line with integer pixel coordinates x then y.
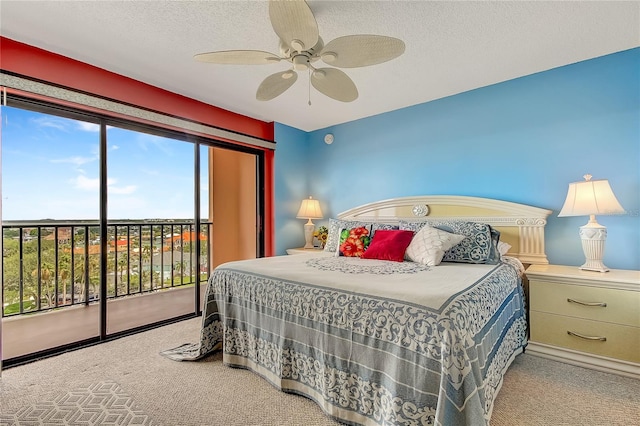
{"type": "Point", "coordinates": [336, 225]}
{"type": "Point", "coordinates": [430, 244]}
{"type": "Point", "coordinates": [479, 245]}
{"type": "Point", "coordinates": [388, 245]}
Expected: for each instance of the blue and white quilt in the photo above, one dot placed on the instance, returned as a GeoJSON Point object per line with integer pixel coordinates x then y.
{"type": "Point", "coordinates": [371, 342]}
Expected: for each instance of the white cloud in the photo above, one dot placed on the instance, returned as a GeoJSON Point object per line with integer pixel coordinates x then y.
{"type": "Point", "coordinates": [88, 127]}
{"type": "Point", "coordinates": [129, 189]}
{"type": "Point", "coordinates": [53, 122]}
{"type": "Point", "coordinates": [76, 160]}
{"type": "Point", "coordinates": [154, 143]}
{"type": "Point", "coordinates": [87, 184]}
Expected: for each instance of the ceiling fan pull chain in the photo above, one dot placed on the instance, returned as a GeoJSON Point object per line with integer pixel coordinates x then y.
{"type": "Point", "coordinates": [309, 69]}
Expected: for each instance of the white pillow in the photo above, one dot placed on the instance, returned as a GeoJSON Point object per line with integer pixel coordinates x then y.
{"type": "Point", "coordinates": [429, 244]}
{"type": "Point", "coordinates": [503, 248]}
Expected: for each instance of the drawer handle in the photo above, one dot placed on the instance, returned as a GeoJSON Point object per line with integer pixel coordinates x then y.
{"type": "Point", "coordinates": [582, 336]}
{"type": "Point", "coordinates": [599, 304]}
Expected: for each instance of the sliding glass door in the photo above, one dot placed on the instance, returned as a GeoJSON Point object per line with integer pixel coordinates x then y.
{"type": "Point", "coordinates": [151, 253]}
{"type": "Point", "coordinates": [112, 226]}
{"type": "Point", "coordinates": [51, 210]}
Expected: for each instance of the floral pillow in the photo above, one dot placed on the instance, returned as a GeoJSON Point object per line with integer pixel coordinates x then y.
{"type": "Point", "coordinates": [354, 241]}
{"type": "Point", "coordinates": [479, 246]}
{"type": "Point", "coordinates": [336, 226]}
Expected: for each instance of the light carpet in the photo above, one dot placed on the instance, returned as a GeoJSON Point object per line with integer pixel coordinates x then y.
{"type": "Point", "coordinates": [159, 391]}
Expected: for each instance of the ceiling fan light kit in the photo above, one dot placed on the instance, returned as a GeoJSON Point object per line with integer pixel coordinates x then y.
{"type": "Point", "coordinates": [301, 45]}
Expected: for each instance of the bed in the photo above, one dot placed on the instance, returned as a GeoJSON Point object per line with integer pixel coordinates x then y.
{"type": "Point", "coordinates": [379, 342]}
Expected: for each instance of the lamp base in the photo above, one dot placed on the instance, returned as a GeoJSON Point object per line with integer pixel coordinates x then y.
{"type": "Point", "coordinates": [593, 237]}
{"type": "Point", "coordinates": [309, 227]}
{"type": "Point", "coordinates": [597, 267]}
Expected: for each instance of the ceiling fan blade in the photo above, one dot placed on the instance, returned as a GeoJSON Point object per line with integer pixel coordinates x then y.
{"type": "Point", "coordinates": [275, 85]}
{"type": "Point", "coordinates": [238, 57]}
{"type": "Point", "coordinates": [294, 23]}
{"type": "Point", "coordinates": [361, 50]}
{"type": "Point", "coordinates": [335, 84]}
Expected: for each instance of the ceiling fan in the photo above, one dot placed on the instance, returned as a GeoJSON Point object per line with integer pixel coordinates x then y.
{"type": "Point", "coordinates": [301, 45]}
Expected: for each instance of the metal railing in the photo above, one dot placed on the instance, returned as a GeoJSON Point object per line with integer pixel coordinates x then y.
{"type": "Point", "coordinates": [55, 264]}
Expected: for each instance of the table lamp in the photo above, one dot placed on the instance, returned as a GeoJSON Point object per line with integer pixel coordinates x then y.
{"type": "Point", "coordinates": [309, 209]}
{"type": "Point", "coordinates": [590, 198]}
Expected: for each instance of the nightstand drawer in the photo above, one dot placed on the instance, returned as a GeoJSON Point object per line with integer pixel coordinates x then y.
{"type": "Point", "coordinates": [622, 307]}
{"type": "Point", "coordinates": [622, 342]}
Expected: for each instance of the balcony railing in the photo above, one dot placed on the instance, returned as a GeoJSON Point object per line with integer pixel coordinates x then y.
{"type": "Point", "coordinates": [55, 264]}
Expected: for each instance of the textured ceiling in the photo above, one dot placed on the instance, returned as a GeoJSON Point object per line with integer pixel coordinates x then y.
{"type": "Point", "coordinates": [451, 46]}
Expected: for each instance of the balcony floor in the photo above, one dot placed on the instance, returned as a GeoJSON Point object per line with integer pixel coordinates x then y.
{"type": "Point", "coordinates": [31, 333]}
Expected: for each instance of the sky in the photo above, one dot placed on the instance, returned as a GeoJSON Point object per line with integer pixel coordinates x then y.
{"type": "Point", "coordinates": [50, 170]}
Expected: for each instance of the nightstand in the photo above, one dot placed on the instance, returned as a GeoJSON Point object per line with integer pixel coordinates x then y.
{"type": "Point", "coordinates": [586, 318]}
{"type": "Point", "coordinates": [304, 251]}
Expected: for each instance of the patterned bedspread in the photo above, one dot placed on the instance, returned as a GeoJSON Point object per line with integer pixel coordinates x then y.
{"type": "Point", "coordinates": [372, 342]}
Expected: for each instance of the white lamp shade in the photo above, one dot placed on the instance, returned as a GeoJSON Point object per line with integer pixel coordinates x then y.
{"type": "Point", "coordinates": [309, 209]}
{"type": "Point", "coordinates": [591, 197]}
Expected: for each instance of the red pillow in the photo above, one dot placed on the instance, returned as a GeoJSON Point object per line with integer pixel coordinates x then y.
{"type": "Point", "coordinates": [388, 245]}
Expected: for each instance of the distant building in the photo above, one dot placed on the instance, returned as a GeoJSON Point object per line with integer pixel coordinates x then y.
{"type": "Point", "coordinates": [121, 244]}
{"type": "Point", "coordinates": [64, 236]}
{"type": "Point", "coordinates": [179, 239]}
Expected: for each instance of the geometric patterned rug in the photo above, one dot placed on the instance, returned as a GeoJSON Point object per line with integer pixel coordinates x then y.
{"type": "Point", "coordinates": [103, 403]}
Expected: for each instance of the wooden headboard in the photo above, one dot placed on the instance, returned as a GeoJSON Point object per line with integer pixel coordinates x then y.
{"type": "Point", "coordinates": [520, 225]}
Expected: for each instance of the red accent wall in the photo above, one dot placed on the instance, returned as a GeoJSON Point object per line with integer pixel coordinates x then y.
{"type": "Point", "coordinates": [269, 203]}
{"type": "Point", "coordinates": [50, 67]}
{"type": "Point", "coordinates": [33, 62]}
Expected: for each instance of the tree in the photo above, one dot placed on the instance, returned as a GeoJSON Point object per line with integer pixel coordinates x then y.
{"type": "Point", "coordinates": [123, 262]}
{"type": "Point", "coordinates": [111, 269]}
{"type": "Point", "coordinates": [11, 271]}
{"type": "Point", "coordinates": [81, 274]}
{"type": "Point", "coordinates": [10, 234]}
{"type": "Point", "coordinates": [47, 278]}
{"type": "Point", "coordinates": [64, 269]}
{"type": "Point", "coordinates": [179, 266]}
{"type": "Point", "coordinates": [155, 283]}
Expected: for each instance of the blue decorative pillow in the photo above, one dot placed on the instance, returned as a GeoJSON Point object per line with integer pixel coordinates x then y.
{"type": "Point", "coordinates": [479, 246]}
{"type": "Point", "coordinates": [412, 226]}
{"type": "Point", "coordinates": [336, 225]}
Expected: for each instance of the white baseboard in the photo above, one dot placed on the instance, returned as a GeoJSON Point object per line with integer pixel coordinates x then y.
{"type": "Point", "coordinates": [581, 359]}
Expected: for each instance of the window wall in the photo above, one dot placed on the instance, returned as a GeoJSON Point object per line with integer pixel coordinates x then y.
{"type": "Point", "coordinates": [113, 224]}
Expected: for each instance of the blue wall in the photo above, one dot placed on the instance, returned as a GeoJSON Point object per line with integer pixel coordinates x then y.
{"type": "Point", "coordinates": [291, 182]}
{"type": "Point", "coordinates": [523, 141]}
